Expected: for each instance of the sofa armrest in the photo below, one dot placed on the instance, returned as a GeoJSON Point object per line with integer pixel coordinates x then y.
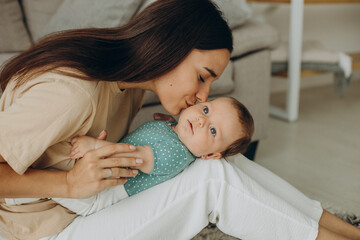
{"type": "Point", "coordinates": [252, 74]}
{"type": "Point", "coordinates": [254, 36]}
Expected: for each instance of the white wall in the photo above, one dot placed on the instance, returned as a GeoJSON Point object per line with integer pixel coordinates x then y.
{"type": "Point", "coordinates": [337, 26]}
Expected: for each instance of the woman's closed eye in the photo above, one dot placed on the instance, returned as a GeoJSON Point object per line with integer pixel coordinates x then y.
{"type": "Point", "coordinates": [201, 78]}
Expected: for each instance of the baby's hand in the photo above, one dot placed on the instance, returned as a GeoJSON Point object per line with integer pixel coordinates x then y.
{"type": "Point", "coordinates": [82, 145]}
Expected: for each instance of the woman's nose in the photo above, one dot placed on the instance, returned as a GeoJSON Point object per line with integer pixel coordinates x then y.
{"type": "Point", "coordinates": [203, 93]}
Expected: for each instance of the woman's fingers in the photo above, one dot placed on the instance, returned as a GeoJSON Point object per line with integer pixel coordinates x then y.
{"type": "Point", "coordinates": [110, 182]}
{"type": "Point", "coordinates": [112, 149]}
{"type": "Point", "coordinates": [118, 173]}
{"type": "Point", "coordinates": [119, 162]}
{"type": "Point", "coordinates": [87, 176]}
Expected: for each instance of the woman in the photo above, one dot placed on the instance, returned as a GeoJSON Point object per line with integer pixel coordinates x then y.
{"type": "Point", "coordinates": [83, 81]}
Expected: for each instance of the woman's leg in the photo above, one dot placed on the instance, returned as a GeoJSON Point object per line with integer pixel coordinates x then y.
{"type": "Point", "coordinates": [335, 224]}
{"type": "Point", "coordinates": [291, 195]}
{"type": "Point", "coordinates": [212, 190]}
{"type": "Point", "coordinates": [279, 187]}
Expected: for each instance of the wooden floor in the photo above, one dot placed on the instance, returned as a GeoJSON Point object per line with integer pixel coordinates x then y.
{"type": "Point", "coordinates": [320, 153]}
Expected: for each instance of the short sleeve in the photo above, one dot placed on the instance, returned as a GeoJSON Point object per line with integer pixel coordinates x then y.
{"type": "Point", "coordinates": [169, 157]}
{"type": "Point", "coordinates": [46, 114]}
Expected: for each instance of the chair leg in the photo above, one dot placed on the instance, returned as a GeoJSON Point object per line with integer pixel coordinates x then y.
{"type": "Point", "coordinates": [250, 152]}
{"type": "Point", "coordinates": [341, 83]}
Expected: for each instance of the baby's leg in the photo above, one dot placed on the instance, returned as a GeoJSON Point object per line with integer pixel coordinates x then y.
{"type": "Point", "coordinates": [87, 206]}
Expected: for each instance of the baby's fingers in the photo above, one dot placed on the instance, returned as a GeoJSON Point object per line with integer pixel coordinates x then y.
{"type": "Point", "coordinates": [74, 148]}
{"type": "Point", "coordinates": [72, 152]}
{"type": "Point", "coordinates": [75, 155]}
{"type": "Point", "coordinates": [74, 140]}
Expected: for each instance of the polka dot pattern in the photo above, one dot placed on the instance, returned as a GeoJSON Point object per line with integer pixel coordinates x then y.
{"type": "Point", "coordinates": [170, 155]}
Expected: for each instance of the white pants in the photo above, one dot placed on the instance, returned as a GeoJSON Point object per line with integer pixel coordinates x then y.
{"type": "Point", "coordinates": [87, 206]}
{"type": "Point", "coordinates": [244, 200]}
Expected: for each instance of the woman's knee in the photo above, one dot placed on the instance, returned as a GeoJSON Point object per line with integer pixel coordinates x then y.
{"type": "Point", "coordinates": [203, 171]}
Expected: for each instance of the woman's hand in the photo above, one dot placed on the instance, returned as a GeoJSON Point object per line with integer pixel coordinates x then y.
{"type": "Point", "coordinates": [163, 117]}
{"type": "Point", "coordinates": [99, 170]}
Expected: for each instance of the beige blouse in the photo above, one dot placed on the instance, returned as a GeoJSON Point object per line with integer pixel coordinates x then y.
{"type": "Point", "coordinates": [38, 121]}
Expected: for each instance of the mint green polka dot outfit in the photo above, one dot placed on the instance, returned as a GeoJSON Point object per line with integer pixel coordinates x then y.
{"type": "Point", "coordinates": [170, 154]}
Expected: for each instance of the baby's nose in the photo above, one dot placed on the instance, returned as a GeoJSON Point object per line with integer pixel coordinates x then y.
{"type": "Point", "coordinates": [201, 121]}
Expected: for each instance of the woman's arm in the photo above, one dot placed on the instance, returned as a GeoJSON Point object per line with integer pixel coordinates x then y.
{"type": "Point", "coordinates": [86, 178]}
{"type": "Point", "coordinates": [33, 183]}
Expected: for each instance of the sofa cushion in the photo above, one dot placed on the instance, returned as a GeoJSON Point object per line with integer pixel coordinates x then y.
{"type": "Point", "coordinates": [236, 12]}
{"type": "Point", "coordinates": [253, 36]}
{"type": "Point", "coordinates": [14, 36]}
{"type": "Point", "coordinates": [91, 13]}
{"type": "Point", "coordinates": [5, 57]}
{"type": "Point", "coordinates": [38, 13]}
{"type": "Point", "coordinates": [221, 86]}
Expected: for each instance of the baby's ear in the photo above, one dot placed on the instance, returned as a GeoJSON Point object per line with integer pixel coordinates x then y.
{"type": "Point", "coordinates": [216, 155]}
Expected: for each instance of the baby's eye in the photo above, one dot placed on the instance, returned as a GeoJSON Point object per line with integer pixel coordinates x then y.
{"type": "Point", "coordinates": [201, 78]}
{"type": "Point", "coordinates": [205, 109]}
{"type": "Point", "coordinates": [213, 131]}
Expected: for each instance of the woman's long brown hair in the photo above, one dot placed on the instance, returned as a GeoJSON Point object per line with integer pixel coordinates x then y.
{"type": "Point", "coordinates": [151, 44]}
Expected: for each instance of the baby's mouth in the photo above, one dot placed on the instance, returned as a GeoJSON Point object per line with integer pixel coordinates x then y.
{"type": "Point", "coordinates": [191, 127]}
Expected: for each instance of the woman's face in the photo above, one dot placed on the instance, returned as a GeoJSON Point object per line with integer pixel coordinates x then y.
{"type": "Point", "coordinates": [190, 81]}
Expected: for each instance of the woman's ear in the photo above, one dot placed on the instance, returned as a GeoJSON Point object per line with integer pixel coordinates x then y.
{"type": "Point", "coordinates": [216, 155]}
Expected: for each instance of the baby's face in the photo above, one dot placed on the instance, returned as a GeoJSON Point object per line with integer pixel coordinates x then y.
{"type": "Point", "coordinates": [209, 127]}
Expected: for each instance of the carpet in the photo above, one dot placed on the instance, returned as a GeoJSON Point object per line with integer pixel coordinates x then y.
{"type": "Point", "coordinates": [211, 232]}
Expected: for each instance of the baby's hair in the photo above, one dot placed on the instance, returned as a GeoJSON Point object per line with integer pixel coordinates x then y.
{"type": "Point", "coordinates": [247, 124]}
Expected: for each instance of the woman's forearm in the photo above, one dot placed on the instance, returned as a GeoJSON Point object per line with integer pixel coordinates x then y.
{"type": "Point", "coordinates": [33, 183]}
{"type": "Point", "coordinates": [89, 176]}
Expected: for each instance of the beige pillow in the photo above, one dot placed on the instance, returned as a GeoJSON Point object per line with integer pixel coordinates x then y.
{"type": "Point", "coordinates": [91, 13]}
{"type": "Point", "coordinates": [13, 34]}
{"type": "Point", "coordinates": [236, 12]}
{"type": "Point", "coordinates": [38, 13]}
{"type": "Point", "coordinates": [253, 36]}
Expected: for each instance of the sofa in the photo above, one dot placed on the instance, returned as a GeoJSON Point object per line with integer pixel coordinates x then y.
{"type": "Point", "coordinates": [247, 76]}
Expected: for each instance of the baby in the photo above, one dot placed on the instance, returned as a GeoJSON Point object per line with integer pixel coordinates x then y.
{"type": "Point", "coordinates": [210, 130]}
